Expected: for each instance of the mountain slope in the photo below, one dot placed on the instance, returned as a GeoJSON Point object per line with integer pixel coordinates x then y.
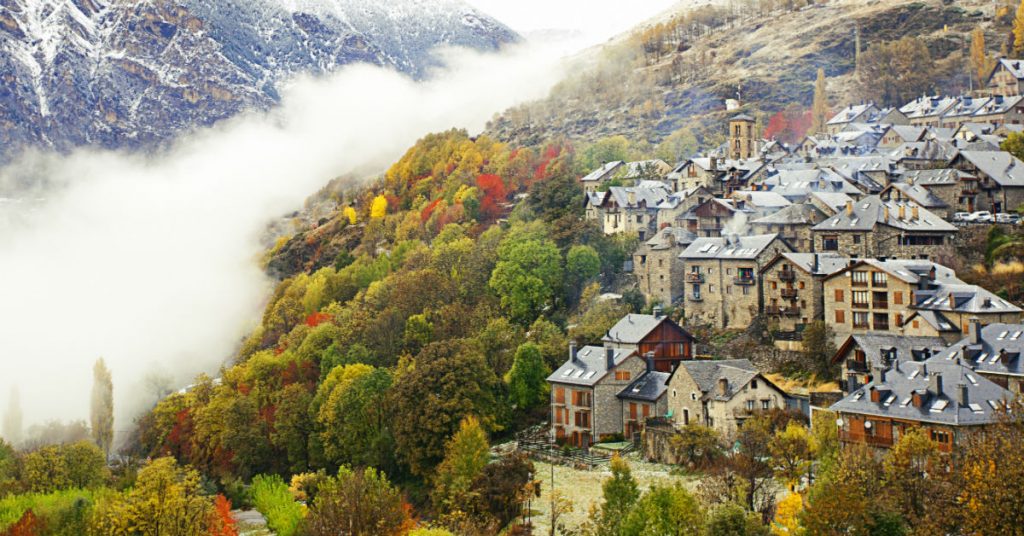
{"type": "Point", "coordinates": [770, 58]}
{"type": "Point", "coordinates": [131, 73]}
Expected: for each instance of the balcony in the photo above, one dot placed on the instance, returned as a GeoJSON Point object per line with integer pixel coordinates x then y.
{"type": "Point", "coordinates": [881, 327]}
{"type": "Point", "coordinates": [787, 275]}
{"type": "Point", "coordinates": [788, 293]}
{"type": "Point", "coordinates": [741, 280]}
{"type": "Point", "coordinates": [694, 298]}
{"type": "Point", "coordinates": [880, 304]}
{"type": "Point", "coordinates": [859, 305]}
{"type": "Point", "coordinates": [853, 365]}
{"type": "Point", "coordinates": [694, 277]}
{"type": "Point", "coordinates": [775, 310]}
{"type": "Point", "coordinates": [858, 283]}
{"type": "Point", "coordinates": [868, 439]}
{"type": "Point", "coordinates": [790, 311]}
{"type": "Point", "coordinates": [879, 284]}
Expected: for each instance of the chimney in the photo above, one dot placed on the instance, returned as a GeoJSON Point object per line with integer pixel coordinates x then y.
{"type": "Point", "coordinates": [849, 208]}
{"type": "Point", "coordinates": [885, 213]}
{"type": "Point", "coordinates": [961, 394]}
{"type": "Point", "coordinates": [935, 383]}
{"type": "Point", "coordinates": [851, 383]}
{"type": "Point", "coordinates": [903, 212]}
{"type": "Point", "coordinates": [975, 331]}
{"type": "Point", "coordinates": [1004, 356]}
{"type": "Point", "coordinates": [650, 361]}
{"type": "Point", "coordinates": [931, 273]}
{"type": "Point", "coordinates": [914, 213]}
{"type": "Point", "coordinates": [723, 386]}
{"type": "Point", "coordinates": [814, 267]}
{"type": "Point", "coordinates": [632, 197]}
{"type": "Point", "coordinates": [610, 358]}
{"type": "Point", "coordinates": [572, 352]}
{"type": "Point", "coordinates": [657, 311]}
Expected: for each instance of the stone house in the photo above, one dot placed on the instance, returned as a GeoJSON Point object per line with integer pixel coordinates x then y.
{"type": "Point", "coordinates": [671, 211]}
{"type": "Point", "coordinates": [793, 224]}
{"type": "Point", "coordinates": [1000, 184]}
{"type": "Point", "coordinates": [742, 142]}
{"type": "Point", "coordinates": [584, 393]}
{"type": "Point", "coordinates": [644, 398]}
{"type": "Point", "coordinates": [723, 278]}
{"type": "Point", "coordinates": [715, 215]}
{"type": "Point", "coordinates": [793, 287]}
{"type": "Point", "coordinates": [928, 111]}
{"type": "Point", "coordinates": [655, 334]}
{"type": "Point", "coordinates": [945, 398]}
{"type": "Point", "coordinates": [923, 197]}
{"type": "Point", "coordinates": [896, 135]}
{"type": "Point", "coordinates": [957, 189]}
{"type": "Point", "coordinates": [758, 203]}
{"type": "Point", "coordinates": [657, 267]}
{"type": "Point", "coordinates": [830, 203]}
{"type": "Point", "coordinates": [1005, 79]}
{"type": "Point", "coordinates": [872, 227]}
{"type": "Point", "coordinates": [858, 113]}
{"type": "Point", "coordinates": [646, 170]}
{"type": "Point", "coordinates": [632, 210]}
{"type": "Point", "coordinates": [719, 175]}
{"type": "Point", "coordinates": [907, 297]}
{"type": "Point", "coordinates": [993, 351]}
{"type": "Point", "coordinates": [720, 394]}
{"type": "Point", "coordinates": [1001, 110]}
{"type": "Point", "coordinates": [862, 353]}
{"type": "Point", "coordinates": [797, 184]}
{"type": "Point", "coordinates": [963, 110]}
{"type": "Point", "coordinates": [869, 173]}
{"type": "Point", "coordinates": [601, 176]}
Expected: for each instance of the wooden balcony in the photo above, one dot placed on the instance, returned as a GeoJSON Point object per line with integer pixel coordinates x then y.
{"type": "Point", "coordinates": [694, 298]}
{"type": "Point", "coordinates": [867, 439]}
{"type": "Point", "coordinates": [787, 275]}
{"type": "Point", "coordinates": [881, 327]}
{"type": "Point", "coordinates": [693, 277]}
{"type": "Point", "coordinates": [744, 280]}
{"type": "Point", "coordinates": [880, 304]}
{"type": "Point", "coordinates": [788, 293]}
{"type": "Point", "coordinates": [859, 305]}
{"type": "Point", "coordinates": [853, 365]}
{"type": "Point", "coordinates": [775, 310]}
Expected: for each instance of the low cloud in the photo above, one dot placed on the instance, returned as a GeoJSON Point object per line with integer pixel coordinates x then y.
{"type": "Point", "coordinates": [149, 260]}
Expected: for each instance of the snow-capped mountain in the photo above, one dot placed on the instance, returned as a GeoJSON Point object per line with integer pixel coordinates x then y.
{"type": "Point", "coordinates": [128, 73]}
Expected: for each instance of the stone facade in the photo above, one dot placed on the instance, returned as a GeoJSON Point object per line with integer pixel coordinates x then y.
{"type": "Point", "coordinates": [882, 241]}
{"type": "Point", "coordinates": [792, 296]}
{"type": "Point", "coordinates": [689, 405]}
{"type": "Point", "coordinates": [636, 412]}
{"type": "Point", "coordinates": [659, 271]}
{"type": "Point", "coordinates": [870, 300]}
{"type": "Point", "coordinates": [581, 415]}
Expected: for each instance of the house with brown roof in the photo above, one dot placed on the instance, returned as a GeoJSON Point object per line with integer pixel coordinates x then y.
{"type": "Point", "coordinates": [655, 334]}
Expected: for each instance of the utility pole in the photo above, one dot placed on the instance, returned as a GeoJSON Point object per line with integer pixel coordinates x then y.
{"type": "Point", "coordinates": [552, 499]}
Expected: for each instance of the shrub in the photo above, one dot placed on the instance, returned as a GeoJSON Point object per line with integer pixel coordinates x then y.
{"type": "Point", "coordinates": [271, 497]}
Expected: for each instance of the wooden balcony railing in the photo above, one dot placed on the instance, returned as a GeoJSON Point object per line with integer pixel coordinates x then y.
{"type": "Point", "coordinates": [856, 366]}
{"type": "Point", "coordinates": [741, 280]}
{"type": "Point", "coordinates": [868, 439]}
{"type": "Point", "coordinates": [694, 277]}
{"type": "Point", "coordinates": [880, 304]}
{"type": "Point", "coordinates": [788, 293]}
{"type": "Point", "coordinates": [787, 275]}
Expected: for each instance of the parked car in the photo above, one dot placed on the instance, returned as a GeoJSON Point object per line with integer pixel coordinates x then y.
{"type": "Point", "coordinates": [961, 217]}
{"type": "Point", "coordinates": [1003, 217]}
{"type": "Point", "coordinates": [981, 216]}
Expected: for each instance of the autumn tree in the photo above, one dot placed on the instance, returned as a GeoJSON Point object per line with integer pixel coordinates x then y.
{"type": "Point", "coordinates": [621, 493]}
{"type": "Point", "coordinates": [359, 503]}
{"type": "Point", "coordinates": [503, 486]}
{"type": "Point", "coordinates": [732, 520]}
{"type": "Point", "coordinates": [525, 277]}
{"type": "Point", "coordinates": [466, 455]}
{"type": "Point", "coordinates": [58, 467]}
{"type": "Point", "coordinates": [354, 416]}
{"type": "Point", "coordinates": [845, 500]}
{"type": "Point", "coordinates": [1018, 31]}
{"type": "Point", "coordinates": [527, 381]}
{"type": "Point", "coordinates": [914, 479]}
{"type": "Point", "coordinates": [792, 450]}
{"type": "Point", "coordinates": [981, 64]}
{"type": "Point", "coordinates": [891, 73]}
{"type": "Point", "coordinates": [102, 409]}
{"type": "Point", "coordinates": [990, 476]}
{"type": "Point", "coordinates": [819, 109]}
{"type": "Point", "coordinates": [449, 382]}
{"type": "Point", "coordinates": [664, 510]}
{"type": "Point", "coordinates": [1014, 144]}
{"type": "Point", "coordinates": [379, 207]}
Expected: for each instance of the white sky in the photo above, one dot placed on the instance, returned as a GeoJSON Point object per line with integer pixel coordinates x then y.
{"type": "Point", "coordinates": [598, 20]}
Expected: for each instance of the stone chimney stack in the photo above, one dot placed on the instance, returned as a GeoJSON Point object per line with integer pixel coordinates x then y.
{"type": "Point", "coordinates": [723, 386]}
{"type": "Point", "coordinates": [658, 311]}
{"type": "Point", "coordinates": [903, 212]}
{"type": "Point", "coordinates": [610, 357]}
{"type": "Point", "coordinates": [975, 331]}
{"type": "Point", "coordinates": [849, 208]}
{"type": "Point", "coordinates": [572, 352]}
{"type": "Point", "coordinates": [961, 394]}
{"type": "Point", "coordinates": [915, 214]}
{"type": "Point", "coordinates": [935, 383]}
{"type": "Point", "coordinates": [650, 361]}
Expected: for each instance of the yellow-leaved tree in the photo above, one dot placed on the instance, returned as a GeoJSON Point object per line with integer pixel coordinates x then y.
{"type": "Point", "coordinates": [1018, 30]}
{"type": "Point", "coordinates": [379, 208]}
{"type": "Point", "coordinates": [350, 213]}
{"type": "Point", "coordinates": [787, 515]}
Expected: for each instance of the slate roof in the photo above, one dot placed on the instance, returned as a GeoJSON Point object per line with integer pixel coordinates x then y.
{"type": "Point", "coordinates": [935, 319]}
{"type": "Point", "coordinates": [632, 328]}
{"type": "Point", "coordinates": [850, 113]}
{"type": "Point", "coordinates": [998, 105]}
{"type": "Point", "coordinates": [798, 184]}
{"type": "Point", "coordinates": [922, 107]}
{"type": "Point", "coordinates": [602, 172]}
{"type": "Point", "coordinates": [761, 199]}
{"type": "Point", "coordinates": [660, 240]}
{"type": "Point", "coordinates": [648, 387]}
{"type": "Point", "coordinates": [836, 200]}
{"type": "Point", "coordinates": [897, 386]}
{"type": "Point", "coordinates": [870, 211]}
{"type": "Point", "coordinates": [925, 150]}
{"type": "Point", "coordinates": [1015, 67]}
{"type": "Point", "coordinates": [742, 117]}
{"type": "Point", "coordinates": [648, 195]}
{"type": "Point", "coordinates": [737, 247]}
{"type": "Point", "coordinates": [909, 132]}
{"type": "Point", "coordinates": [897, 347]}
{"type": "Point", "coordinates": [996, 351]}
{"type": "Point", "coordinates": [706, 374]}
{"type": "Point", "coordinates": [918, 194]}
{"type": "Point", "coordinates": [962, 298]}
{"type": "Point", "coordinates": [912, 271]}
{"type": "Point", "coordinates": [589, 366]}
{"type": "Point", "coordinates": [828, 263]}
{"type": "Point", "coordinates": [796, 214]}
{"type": "Point", "coordinates": [933, 177]}
{"type": "Point", "coordinates": [1004, 168]}
{"type": "Point", "coordinates": [966, 106]}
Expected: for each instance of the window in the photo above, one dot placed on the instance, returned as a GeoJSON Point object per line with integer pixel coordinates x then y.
{"type": "Point", "coordinates": [580, 398]}
{"type": "Point", "coordinates": [673, 393]}
{"type": "Point", "coordinates": [881, 321]}
{"type": "Point", "coordinates": [750, 405]}
{"type": "Point", "coordinates": [879, 279]}
{"type": "Point", "coordinates": [830, 243]}
{"type": "Point", "coordinates": [940, 436]}
{"type": "Point", "coordinates": [860, 319]}
{"type": "Point", "coordinates": [693, 396]}
{"type": "Point", "coordinates": [840, 316]}
{"type": "Point", "coordinates": [559, 395]}
{"type": "Point", "coordinates": [914, 323]}
{"type": "Point", "coordinates": [839, 295]}
{"type": "Point", "coordinates": [746, 291]}
{"type": "Point", "coordinates": [856, 239]}
{"type": "Point", "coordinates": [775, 285]}
{"type": "Point", "coordinates": [583, 419]}
{"type": "Point", "coordinates": [711, 289]}
{"type": "Point", "coordinates": [753, 384]}
{"type": "Point", "coordinates": [859, 278]}
{"type": "Point", "coordinates": [765, 404]}
{"type": "Point", "coordinates": [622, 375]}
{"type": "Point", "coordinates": [860, 298]}
{"type": "Point", "coordinates": [800, 285]}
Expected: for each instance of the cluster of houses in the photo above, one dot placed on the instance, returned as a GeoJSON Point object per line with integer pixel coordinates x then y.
{"type": "Point", "coordinates": [844, 227]}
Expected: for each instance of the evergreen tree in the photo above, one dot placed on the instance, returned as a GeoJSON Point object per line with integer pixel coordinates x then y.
{"type": "Point", "coordinates": [819, 110]}
{"type": "Point", "coordinates": [527, 380]}
{"type": "Point", "coordinates": [102, 410]}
